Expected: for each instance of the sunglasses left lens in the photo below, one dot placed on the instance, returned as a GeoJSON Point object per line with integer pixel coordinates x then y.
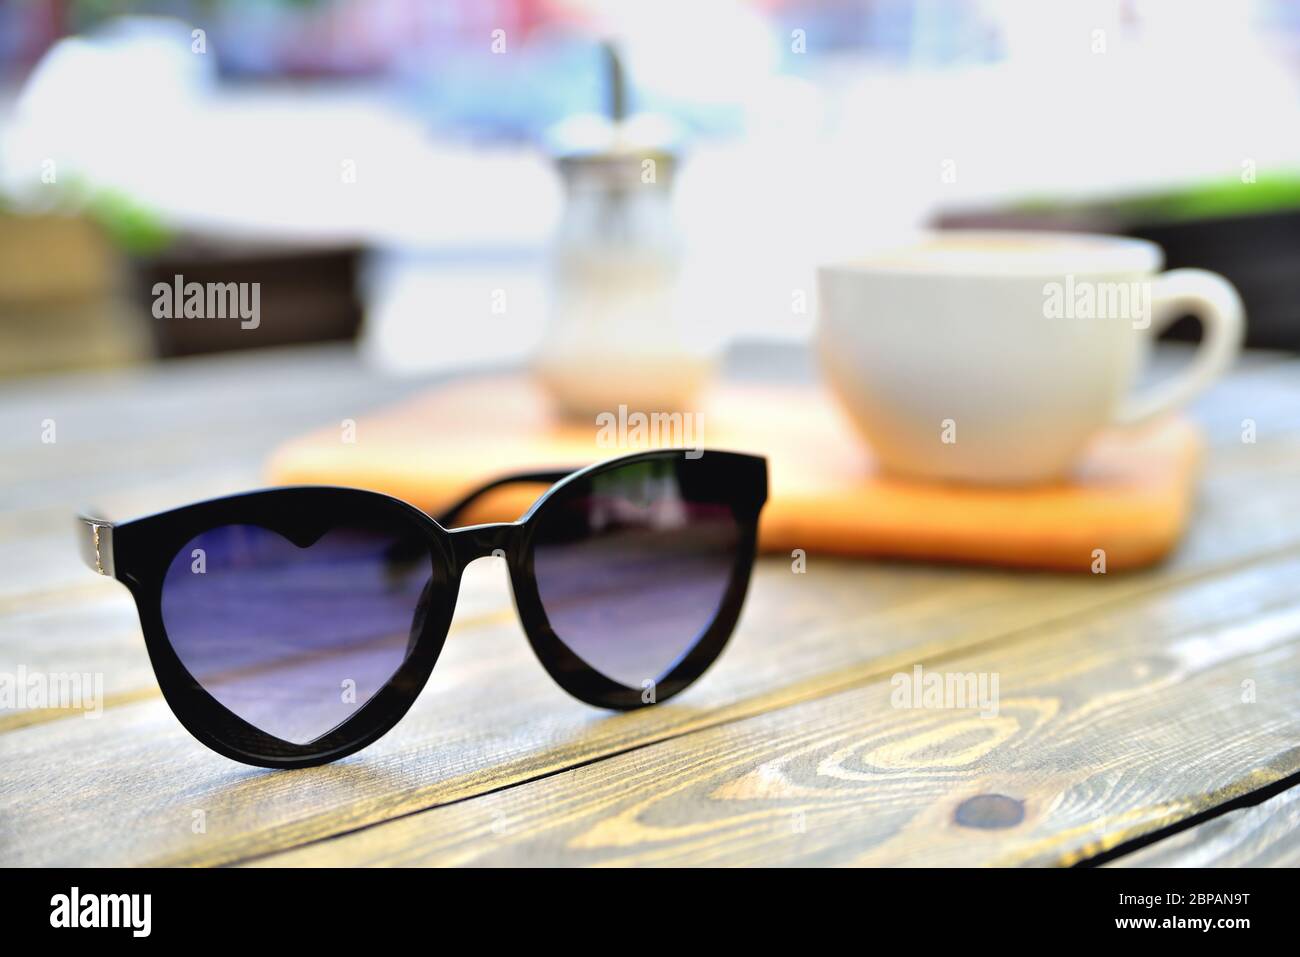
{"type": "Point", "coordinates": [295, 637]}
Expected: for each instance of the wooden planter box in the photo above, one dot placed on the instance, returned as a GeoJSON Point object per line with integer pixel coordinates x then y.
{"type": "Point", "coordinates": [61, 300]}
{"type": "Point", "coordinates": [306, 295]}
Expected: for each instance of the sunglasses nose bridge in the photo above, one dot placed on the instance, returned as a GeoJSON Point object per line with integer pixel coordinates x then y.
{"type": "Point", "coordinates": [480, 541]}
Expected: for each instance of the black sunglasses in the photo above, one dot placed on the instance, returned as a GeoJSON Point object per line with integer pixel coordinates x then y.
{"type": "Point", "coordinates": [292, 626]}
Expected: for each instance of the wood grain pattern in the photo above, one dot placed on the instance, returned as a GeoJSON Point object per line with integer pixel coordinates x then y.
{"type": "Point", "coordinates": [807, 667]}
{"type": "Point", "coordinates": [1266, 835]}
{"type": "Point", "coordinates": [1105, 730]}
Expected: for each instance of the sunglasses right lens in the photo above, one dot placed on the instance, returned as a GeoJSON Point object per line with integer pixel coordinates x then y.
{"type": "Point", "coordinates": [632, 565]}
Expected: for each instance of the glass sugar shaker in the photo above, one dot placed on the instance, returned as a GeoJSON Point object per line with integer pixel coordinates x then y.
{"type": "Point", "coordinates": [619, 330]}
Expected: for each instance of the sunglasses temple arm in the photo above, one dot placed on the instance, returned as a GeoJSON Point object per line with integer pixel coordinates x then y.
{"type": "Point", "coordinates": [447, 518]}
{"type": "Point", "coordinates": [95, 542]}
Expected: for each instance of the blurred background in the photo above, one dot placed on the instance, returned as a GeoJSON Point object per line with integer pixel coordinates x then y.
{"type": "Point", "coordinates": [458, 184]}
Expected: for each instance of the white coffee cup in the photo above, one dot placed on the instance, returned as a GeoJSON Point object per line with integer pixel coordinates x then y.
{"type": "Point", "coordinates": [987, 356]}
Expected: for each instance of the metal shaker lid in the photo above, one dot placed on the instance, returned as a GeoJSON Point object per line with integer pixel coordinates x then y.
{"type": "Point", "coordinates": [614, 142]}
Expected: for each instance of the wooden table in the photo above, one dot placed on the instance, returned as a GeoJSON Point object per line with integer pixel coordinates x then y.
{"type": "Point", "coordinates": [1129, 704]}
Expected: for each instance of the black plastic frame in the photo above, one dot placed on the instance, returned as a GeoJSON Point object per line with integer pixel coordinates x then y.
{"type": "Point", "coordinates": [139, 552]}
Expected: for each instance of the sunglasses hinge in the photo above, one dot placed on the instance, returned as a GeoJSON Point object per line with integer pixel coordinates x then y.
{"type": "Point", "coordinates": [96, 542]}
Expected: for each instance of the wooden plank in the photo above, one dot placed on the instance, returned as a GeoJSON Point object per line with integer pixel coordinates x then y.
{"type": "Point", "coordinates": [1264, 389]}
{"type": "Point", "coordinates": [113, 430]}
{"type": "Point", "coordinates": [1266, 835]}
{"type": "Point", "coordinates": [1106, 729]}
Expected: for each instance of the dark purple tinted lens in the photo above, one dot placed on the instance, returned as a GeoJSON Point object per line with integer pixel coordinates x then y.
{"type": "Point", "coordinates": [630, 571]}
{"type": "Point", "coordinates": [295, 640]}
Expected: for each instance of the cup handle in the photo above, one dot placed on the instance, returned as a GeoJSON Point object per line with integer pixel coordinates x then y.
{"type": "Point", "coordinates": [1214, 301]}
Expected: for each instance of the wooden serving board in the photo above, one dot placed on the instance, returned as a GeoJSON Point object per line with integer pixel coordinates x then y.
{"type": "Point", "coordinates": [1130, 496]}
